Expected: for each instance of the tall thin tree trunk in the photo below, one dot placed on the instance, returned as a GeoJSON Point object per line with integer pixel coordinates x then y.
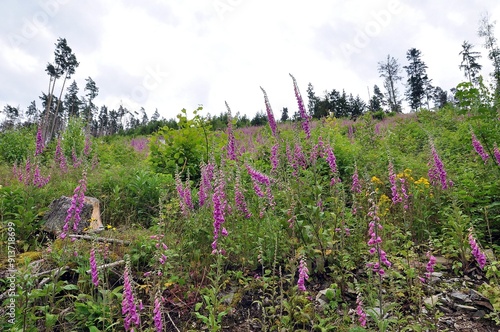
{"type": "Point", "coordinates": [52, 131]}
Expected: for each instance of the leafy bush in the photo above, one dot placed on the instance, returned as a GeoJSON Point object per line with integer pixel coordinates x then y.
{"type": "Point", "coordinates": [17, 144]}
{"type": "Point", "coordinates": [180, 149]}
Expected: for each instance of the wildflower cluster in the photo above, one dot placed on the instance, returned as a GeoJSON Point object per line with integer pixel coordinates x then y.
{"type": "Point", "coordinates": [139, 144]}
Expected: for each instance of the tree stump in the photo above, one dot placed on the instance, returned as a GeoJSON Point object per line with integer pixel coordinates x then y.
{"type": "Point", "coordinates": [58, 210]}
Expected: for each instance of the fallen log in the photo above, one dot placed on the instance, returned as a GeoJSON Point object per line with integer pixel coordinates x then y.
{"type": "Point", "coordinates": [104, 266]}
{"type": "Point", "coordinates": [99, 239]}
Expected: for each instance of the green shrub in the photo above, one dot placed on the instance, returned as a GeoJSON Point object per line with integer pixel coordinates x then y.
{"type": "Point", "coordinates": [17, 144]}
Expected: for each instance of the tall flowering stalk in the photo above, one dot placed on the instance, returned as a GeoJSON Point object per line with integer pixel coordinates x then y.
{"type": "Point", "coordinates": [356, 186]}
{"type": "Point", "coordinates": [260, 178]}
{"type": "Point", "coordinates": [375, 242]}
{"type": "Point", "coordinates": [303, 275]}
{"type": "Point", "coordinates": [404, 191]}
{"type": "Point", "coordinates": [207, 174]}
{"type": "Point", "coordinates": [496, 152]}
{"type": "Point", "coordinates": [87, 148]}
{"type": "Point", "coordinates": [274, 157]}
{"type": "Point", "coordinates": [76, 161]}
{"type": "Point", "coordinates": [239, 198]}
{"type": "Point", "coordinates": [437, 171]}
{"type": "Point", "coordinates": [27, 172]}
{"type": "Point", "coordinates": [302, 110]}
{"type": "Point", "coordinates": [129, 307]}
{"type": "Point", "coordinates": [332, 162]}
{"type": "Point", "coordinates": [394, 188]}
{"type": "Point", "coordinates": [479, 148]}
{"type": "Point", "coordinates": [185, 199]}
{"type": "Point", "coordinates": [219, 206]}
{"type": "Point", "coordinates": [476, 250]}
{"type": "Point", "coordinates": [77, 202]}
{"type": "Point", "coordinates": [270, 114]}
{"type": "Point", "coordinates": [93, 267]}
{"type": "Point", "coordinates": [38, 180]}
{"type": "Point", "coordinates": [39, 141]}
{"type": "Point", "coordinates": [231, 143]}
{"type": "Point", "coordinates": [360, 311]}
{"type": "Point", "coordinates": [355, 189]}
{"type": "Point", "coordinates": [157, 317]}
{"type": "Point", "coordinates": [60, 158]}
{"type": "Point", "coordinates": [429, 267]}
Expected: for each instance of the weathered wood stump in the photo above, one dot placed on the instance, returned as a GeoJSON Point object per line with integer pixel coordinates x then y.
{"type": "Point", "coordinates": [58, 210]}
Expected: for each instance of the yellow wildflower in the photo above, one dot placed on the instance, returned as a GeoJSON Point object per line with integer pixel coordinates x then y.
{"type": "Point", "coordinates": [376, 180]}
{"type": "Point", "coordinates": [423, 181]}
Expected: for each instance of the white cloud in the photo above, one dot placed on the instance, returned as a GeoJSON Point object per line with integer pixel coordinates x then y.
{"type": "Point", "coordinates": [169, 54]}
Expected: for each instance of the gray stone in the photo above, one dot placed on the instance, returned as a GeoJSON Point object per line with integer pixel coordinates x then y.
{"type": "Point", "coordinates": [460, 296]}
{"type": "Point", "coordinates": [58, 210]}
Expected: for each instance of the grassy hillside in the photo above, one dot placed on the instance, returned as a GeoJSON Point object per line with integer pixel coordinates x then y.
{"type": "Point", "coordinates": [242, 229]}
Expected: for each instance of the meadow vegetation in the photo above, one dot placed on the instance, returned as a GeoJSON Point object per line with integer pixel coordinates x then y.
{"type": "Point", "coordinates": [324, 225]}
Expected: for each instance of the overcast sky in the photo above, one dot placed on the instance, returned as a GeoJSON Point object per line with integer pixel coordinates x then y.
{"type": "Point", "coordinates": [169, 55]}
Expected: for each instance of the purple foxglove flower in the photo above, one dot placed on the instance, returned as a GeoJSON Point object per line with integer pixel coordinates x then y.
{"type": "Point", "coordinates": [93, 268]}
{"type": "Point", "coordinates": [302, 110]}
{"type": "Point", "coordinates": [274, 157]}
{"type": "Point", "coordinates": [356, 187]}
{"type": "Point", "coordinates": [86, 149]}
{"type": "Point", "coordinates": [157, 315]}
{"type": "Point", "coordinates": [394, 189]}
{"type": "Point", "coordinates": [437, 169]}
{"type": "Point", "coordinates": [496, 152]}
{"type": "Point", "coordinates": [303, 275]}
{"type": "Point", "coordinates": [270, 115]}
{"type": "Point", "coordinates": [360, 311]}
{"type": "Point", "coordinates": [476, 251]}
{"type": "Point", "coordinates": [39, 142]}
{"type": "Point", "coordinates": [479, 148]}
{"type": "Point", "coordinates": [231, 143]}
